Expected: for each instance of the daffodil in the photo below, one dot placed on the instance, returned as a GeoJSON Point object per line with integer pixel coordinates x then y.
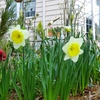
{"type": "Point", "coordinates": [18, 36]}
{"type": "Point", "coordinates": [72, 49]}
{"type": "Point", "coordinates": [67, 28]}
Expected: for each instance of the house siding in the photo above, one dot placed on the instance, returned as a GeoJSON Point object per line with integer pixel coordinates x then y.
{"type": "Point", "coordinates": [52, 11]}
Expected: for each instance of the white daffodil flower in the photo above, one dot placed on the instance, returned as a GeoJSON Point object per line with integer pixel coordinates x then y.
{"type": "Point", "coordinates": [67, 28]}
{"type": "Point", "coordinates": [72, 49]}
{"type": "Point", "coordinates": [18, 36]}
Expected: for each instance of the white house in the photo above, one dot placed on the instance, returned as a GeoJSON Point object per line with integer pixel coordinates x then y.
{"type": "Point", "coordinates": [51, 9]}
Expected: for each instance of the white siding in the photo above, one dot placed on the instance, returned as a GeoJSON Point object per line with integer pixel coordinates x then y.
{"type": "Point", "coordinates": [52, 11]}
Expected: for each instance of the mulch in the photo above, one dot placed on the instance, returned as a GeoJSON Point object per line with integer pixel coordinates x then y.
{"type": "Point", "coordinates": [90, 93]}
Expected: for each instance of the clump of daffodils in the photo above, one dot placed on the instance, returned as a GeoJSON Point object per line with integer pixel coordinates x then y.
{"type": "Point", "coordinates": [72, 49]}
{"type": "Point", "coordinates": [18, 36]}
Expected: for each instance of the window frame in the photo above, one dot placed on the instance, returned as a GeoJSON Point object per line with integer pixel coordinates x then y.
{"type": "Point", "coordinates": [22, 6]}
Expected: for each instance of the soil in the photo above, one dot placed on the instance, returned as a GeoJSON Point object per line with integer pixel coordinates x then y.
{"type": "Point", "coordinates": [92, 93]}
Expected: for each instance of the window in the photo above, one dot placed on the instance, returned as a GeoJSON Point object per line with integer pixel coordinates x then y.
{"type": "Point", "coordinates": [14, 6]}
{"type": "Point", "coordinates": [29, 8]}
{"type": "Point", "coordinates": [88, 24]}
{"type": "Point", "coordinates": [93, 14]}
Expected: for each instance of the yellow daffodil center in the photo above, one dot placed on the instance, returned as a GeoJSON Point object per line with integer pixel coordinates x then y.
{"type": "Point", "coordinates": [74, 49]}
{"type": "Point", "coordinates": [17, 36]}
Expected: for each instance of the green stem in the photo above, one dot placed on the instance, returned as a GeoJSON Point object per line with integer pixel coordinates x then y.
{"type": "Point", "coordinates": [23, 60]}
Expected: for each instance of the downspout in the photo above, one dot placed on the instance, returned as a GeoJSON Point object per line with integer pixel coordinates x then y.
{"type": "Point", "coordinates": [93, 21]}
{"type": "Point", "coordinates": [44, 14]}
{"type": "Point", "coordinates": [18, 9]}
{"type": "Point", "coordinates": [99, 15]}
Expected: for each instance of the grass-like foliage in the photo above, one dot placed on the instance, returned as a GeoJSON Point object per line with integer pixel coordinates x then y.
{"type": "Point", "coordinates": [7, 17]}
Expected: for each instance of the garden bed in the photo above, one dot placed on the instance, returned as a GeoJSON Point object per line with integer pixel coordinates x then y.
{"type": "Point", "coordinates": [92, 93]}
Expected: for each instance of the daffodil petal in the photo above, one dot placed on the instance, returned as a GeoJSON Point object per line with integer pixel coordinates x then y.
{"type": "Point", "coordinates": [66, 57]}
{"type": "Point", "coordinates": [72, 39]}
{"type": "Point", "coordinates": [16, 46]}
{"type": "Point", "coordinates": [26, 34]}
{"type": "Point", "coordinates": [18, 27]}
{"type": "Point", "coordinates": [23, 43]}
{"type": "Point", "coordinates": [79, 41]}
{"type": "Point", "coordinates": [10, 31]}
{"type": "Point", "coordinates": [81, 51]}
{"type": "Point", "coordinates": [65, 47]}
{"type": "Point", "coordinates": [75, 58]}
{"type": "Point", "coordinates": [12, 27]}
